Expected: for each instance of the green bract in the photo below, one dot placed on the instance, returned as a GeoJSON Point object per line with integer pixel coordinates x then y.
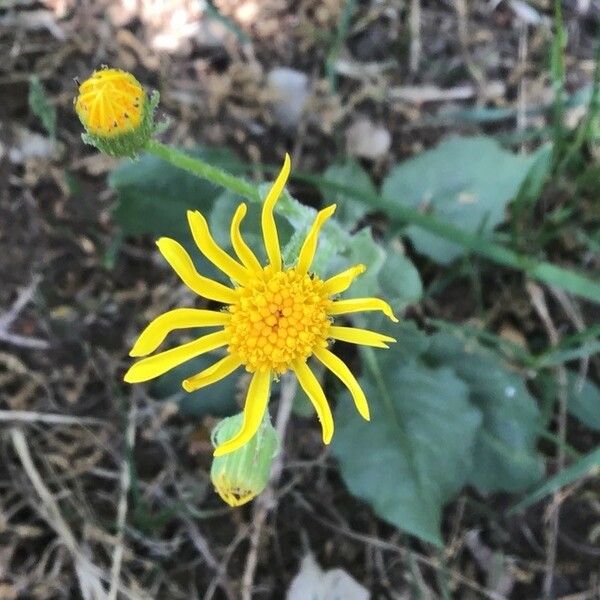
{"type": "Point", "coordinates": [242, 474]}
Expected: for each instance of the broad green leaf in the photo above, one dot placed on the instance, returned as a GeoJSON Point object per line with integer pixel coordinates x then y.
{"type": "Point", "coordinates": [41, 107]}
{"type": "Point", "coordinates": [350, 174]}
{"type": "Point", "coordinates": [399, 281]}
{"type": "Point", "coordinates": [584, 400]}
{"type": "Point", "coordinates": [505, 456]}
{"type": "Point", "coordinates": [465, 181]}
{"type": "Point", "coordinates": [411, 342]}
{"type": "Point", "coordinates": [153, 196]}
{"type": "Point", "coordinates": [218, 399]}
{"type": "Point", "coordinates": [415, 453]}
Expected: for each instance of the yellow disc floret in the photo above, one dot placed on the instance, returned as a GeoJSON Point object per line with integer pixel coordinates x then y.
{"type": "Point", "coordinates": [110, 103]}
{"type": "Point", "coordinates": [279, 318]}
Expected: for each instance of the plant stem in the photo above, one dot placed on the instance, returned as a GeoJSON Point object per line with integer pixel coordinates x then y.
{"type": "Point", "coordinates": [202, 169]}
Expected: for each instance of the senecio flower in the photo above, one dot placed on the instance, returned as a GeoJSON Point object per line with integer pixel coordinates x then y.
{"type": "Point", "coordinates": [275, 318]}
{"type": "Point", "coordinates": [116, 112]}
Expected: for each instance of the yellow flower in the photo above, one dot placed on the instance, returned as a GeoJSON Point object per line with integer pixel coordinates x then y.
{"type": "Point", "coordinates": [115, 112]}
{"type": "Point", "coordinates": [276, 317]}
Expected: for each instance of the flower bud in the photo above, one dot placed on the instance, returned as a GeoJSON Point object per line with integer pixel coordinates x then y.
{"type": "Point", "coordinates": [116, 112]}
{"type": "Point", "coordinates": [241, 475]}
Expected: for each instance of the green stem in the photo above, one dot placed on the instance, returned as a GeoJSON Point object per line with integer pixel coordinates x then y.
{"type": "Point", "coordinates": [202, 169]}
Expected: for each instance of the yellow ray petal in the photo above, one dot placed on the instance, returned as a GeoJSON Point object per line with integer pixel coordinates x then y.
{"type": "Point", "coordinates": [355, 335]}
{"type": "Point", "coordinates": [352, 305]}
{"type": "Point", "coordinates": [182, 264]}
{"type": "Point", "coordinates": [153, 366]}
{"type": "Point", "coordinates": [307, 252]}
{"type": "Point", "coordinates": [342, 281]}
{"type": "Point", "coordinates": [242, 249]}
{"type": "Point", "coordinates": [158, 329]}
{"type": "Point", "coordinates": [269, 228]}
{"type": "Point", "coordinates": [339, 368]}
{"type": "Point", "coordinates": [212, 374]}
{"type": "Point", "coordinates": [254, 410]}
{"type": "Point", "coordinates": [205, 241]}
{"type": "Point", "coordinates": [314, 391]}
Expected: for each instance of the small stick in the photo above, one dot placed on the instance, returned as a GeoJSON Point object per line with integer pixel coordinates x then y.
{"type": "Point", "coordinates": [115, 571]}
{"type": "Point", "coordinates": [11, 315]}
{"type": "Point", "coordinates": [266, 500]}
{"type": "Point", "coordinates": [539, 304]}
{"type": "Point", "coordinates": [415, 36]}
{"type": "Point", "coordinates": [27, 416]}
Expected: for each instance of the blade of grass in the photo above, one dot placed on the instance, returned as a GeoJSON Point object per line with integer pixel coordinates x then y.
{"type": "Point", "coordinates": [338, 42]}
{"type": "Point", "coordinates": [583, 467]}
{"type": "Point", "coordinates": [213, 12]}
{"type": "Point", "coordinates": [584, 129]}
{"type": "Point", "coordinates": [508, 349]}
{"type": "Point", "coordinates": [480, 115]}
{"type": "Point", "coordinates": [557, 72]}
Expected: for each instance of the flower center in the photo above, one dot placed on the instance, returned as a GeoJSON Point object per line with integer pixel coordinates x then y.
{"type": "Point", "coordinates": [110, 103]}
{"type": "Point", "coordinates": [278, 319]}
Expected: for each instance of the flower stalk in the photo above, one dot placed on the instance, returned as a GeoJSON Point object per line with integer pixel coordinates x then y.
{"type": "Point", "coordinates": [204, 170]}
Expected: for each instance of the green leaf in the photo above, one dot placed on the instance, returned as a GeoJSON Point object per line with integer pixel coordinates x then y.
{"type": "Point", "coordinates": [464, 181]}
{"type": "Point", "coordinates": [411, 342]}
{"type": "Point", "coordinates": [584, 400]}
{"type": "Point", "coordinates": [415, 453]}
{"type": "Point", "coordinates": [536, 178]}
{"type": "Point", "coordinates": [40, 105]}
{"type": "Point", "coordinates": [153, 196]}
{"type": "Point", "coordinates": [585, 466]}
{"type": "Point", "coordinates": [349, 209]}
{"type": "Point", "coordinates": [216, 400]}
{"type": "Point", "coordinates": [505, 456]}
{"type": "Point", "coordinates": [400, 281]}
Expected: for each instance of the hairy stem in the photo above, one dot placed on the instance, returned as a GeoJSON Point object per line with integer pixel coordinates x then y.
{"type": "Point", "coordinates": [202, 169]}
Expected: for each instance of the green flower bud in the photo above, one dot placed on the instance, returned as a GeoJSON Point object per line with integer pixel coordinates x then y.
{"type": "Point", "coordinates": [241, 475]}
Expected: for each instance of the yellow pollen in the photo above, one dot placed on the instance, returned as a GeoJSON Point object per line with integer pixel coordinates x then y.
{"type": "Point", "coordinates": [110, 103]}
{"type": "Point", "coordinates": [280, 317]}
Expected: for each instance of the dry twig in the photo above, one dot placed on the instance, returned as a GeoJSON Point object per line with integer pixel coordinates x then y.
{"type": "Point", "coordinates": [115, 570]}
{"type": "Point", "coordinates": [11, 316]}
{"type": "Point", "coordinates": [266, 500]}
{"type": "Point", "coordinates": [539, 303]}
